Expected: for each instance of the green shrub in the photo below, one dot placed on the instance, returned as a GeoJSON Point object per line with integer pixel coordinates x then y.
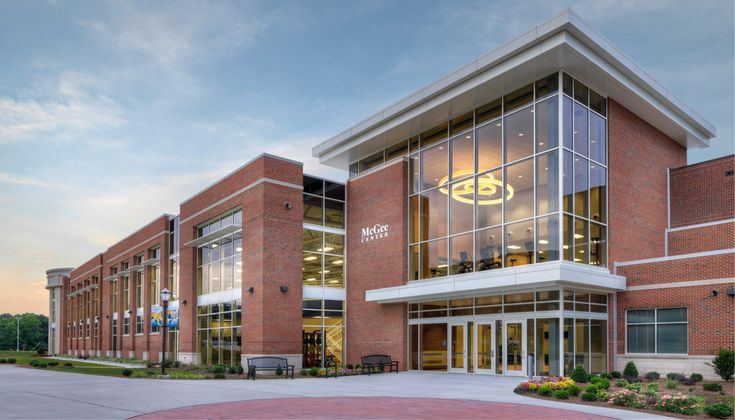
{"type": "Point", "coordinates": [712, 387]}
{"type": "Point", "coordinates": [304, 372]}
{"type": "Point", "coordinates": [42, 365]}
{"type": "Point", "coordinates": [185, 375]}
{"type": "Point", "coordinates": [652, 387]}
{"type": "Point", "coordinates": [673, 376]}
{"type": "Point", "coordinates": [680, 404]}
{"type": "Point", "coordinates": [127, 372]}
{"type": "Point", "coordinates": [34, 363]}
{"type": "Point", "coordinates": [218, 369]}
{"type": "Point", "coordinates": [627, 398]}
{"type": "Point", "coordinates": [240, 370]}
{"type": "Point", "coordinates": [11, 360]}
{"type": "Point", "coordinates": [314, 371]}
{"type": "Point", "coordinates": [630, 370]}
{"type": "Point", "coordinates": [349, 366]}
{"type": "Point", "coordinates": [671, 384]}
{"type": "Point", "coordinates": [279, 371]}
{"type": "Point", "coordinates": [68, 364]}
{"type": "Point", "coordinates": [719, 410]}
{"type": "Point", "coordinates": [724, 364]}
{"type": "Point", "coordinates": [3, 360]}
{"type": "Point", "coordinates": [573, 389]}
{"type": "Point", "coordinates": [634, 387]}
{"type": "Point", "coordinates": [561, 394]}
{"type": "Point", "coordinates": [139, 373]}
{"type": "Point", "coordinates": [652, 376]}
{"type": "Point", "coordinates": [52, 364]}
{"type": "Point", "coordinates": [591, 388]}
{"type": "Point", "coordinates": [602, 383]}
{"type": "Point", "coordinates": [219, 375]}
{"type": "Point", "coordinates": [621, 383]}
{"type": "Point", "coordinates": [545, 390]}
{"type": "Point", "coordinates": [232, 370]}
{"type": "Point", "coordinates": [602, 395]}
{"type": "Point", "coordinates": [696, 377]}
{"type": "Point", "coordinates": [589, 396]}
{"type": "Point", "coordinates": [579, 374]}
{"type": "Point", "coordinates": [616, 375]}
{"type": "Point", "coordinates": [606, 375]}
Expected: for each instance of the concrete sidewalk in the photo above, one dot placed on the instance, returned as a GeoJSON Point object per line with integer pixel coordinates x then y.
{"type": "Point", "coordinates": [35, 393]}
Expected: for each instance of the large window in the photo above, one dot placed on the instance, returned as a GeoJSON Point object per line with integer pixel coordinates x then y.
{"type": "Point", "coordinates": [323, 332]}
{"type": "Point", "coordinates": [486, 194]}
{"type": "Point", "coordinates": [661, 331]}
{"type": "Point", "coordinates": [324, 202]}
{"type": "Point", "coordinates": [323, 259]}
{"type": "Point", "coordinates": [218, 333]}
{"type": "Point", "coordinates": [220, 260]}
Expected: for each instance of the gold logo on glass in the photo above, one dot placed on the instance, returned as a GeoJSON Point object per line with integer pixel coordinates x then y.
{"type": "Point", "coordinates": [488, 189]}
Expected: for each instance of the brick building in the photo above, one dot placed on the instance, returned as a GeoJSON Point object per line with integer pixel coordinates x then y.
{"type": "Point", "coordinates": [529, 212]}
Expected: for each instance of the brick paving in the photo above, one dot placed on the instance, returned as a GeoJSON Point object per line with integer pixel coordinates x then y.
{"type": "Point", "coordinates": [366, 408]}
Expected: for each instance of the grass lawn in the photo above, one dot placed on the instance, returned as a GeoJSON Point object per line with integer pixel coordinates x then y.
{"type": "Point", "coordinates": [24, 359]}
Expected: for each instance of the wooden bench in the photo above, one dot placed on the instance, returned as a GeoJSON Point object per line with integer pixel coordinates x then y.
{"type": "Point", "coordinates": [268, 363]}
{"type": "Point", "coordinates": [379, 361]}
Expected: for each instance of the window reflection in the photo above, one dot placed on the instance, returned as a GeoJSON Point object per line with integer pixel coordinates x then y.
{"type": "Point", "coordinates": [598, 244]}
{"type": "Point", "coordinates": [463, 156]}
{"type": "Point", "coordinates": [518, 134]}
{"type": "Point", "coordinates": [581, 254]}
{"type": "Point", "coordinates": [434, 259]}
{"type": "Point", "coordinates": [519, 247]}
{"type": "Point", "coordinates": [598, 193]}
{"type": "Point", "coordinates": [547, 124]}
{"type": "Point", "coordinates": [489, 249]}
{"type": "Point", "coordinates": [462, 261]}
{"type": "Point", "coordinates": [490, 146]}
{"type": "Point", "coordinates": [547, 245]}
{"type": "Point", "coordinates": [581, 186]}
{"type": "Point", "coordinates": [598, 146]}
{"type": "Point", "coordinates": [433, 166]}
{"type": "Point", "coordinates": [433, 220]}
{"type": "Point", "coordinates": [580, 129]}
{"type": "Point", "coordinates": [489, 206]}
{"type": "Point", "coordinates": [547, 183]}
{"type": "Point", "coordinates": [519, 177]}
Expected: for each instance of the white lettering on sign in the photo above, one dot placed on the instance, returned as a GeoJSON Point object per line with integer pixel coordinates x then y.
{"type": "Point", "coordinates": [372, 233]}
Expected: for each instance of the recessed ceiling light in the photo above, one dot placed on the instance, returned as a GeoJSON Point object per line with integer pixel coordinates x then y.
{"type": "Point", "coordinates": [543, 241]}
{"type": "Point", "coordinates": [468, 137]}
{"type": "Point", "coordinates": [578, 236]}
{"type": "Point", "coordinates": [311, 258]}
{"type": "Point", "coordinates": [520, 134]}
{"type": "Point", "coordinates": [541, 143]}
{"type": "Point", "coordinates": [238, 249]}
{"type": "Point", "coordinates": [498, 124]}
{"type": "Point", "coordinates": [513, 247]}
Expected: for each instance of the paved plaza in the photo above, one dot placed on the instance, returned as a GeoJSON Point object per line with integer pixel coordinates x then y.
{"type": "Point", "coordinates": [34, 393]}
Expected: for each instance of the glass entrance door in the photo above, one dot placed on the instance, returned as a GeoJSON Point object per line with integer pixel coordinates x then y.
{"type": "Point", "coordinates": [484, 353]}
{"type": "Point", "coordinates": [514, 348]}
{"type": "Point", "coordinates": [458, 347]}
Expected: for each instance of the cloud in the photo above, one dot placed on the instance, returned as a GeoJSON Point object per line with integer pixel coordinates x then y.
{"type": "Point", "coordinates": [7, 178]}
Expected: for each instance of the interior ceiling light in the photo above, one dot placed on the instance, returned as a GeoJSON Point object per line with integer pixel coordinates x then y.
{"type": "Point", "coordinates": [578, 236]}
{"type": "Point", "coordinates": [543, 241]}
{"type": "Point", "coordinates": [312, 258]}
{"type": "Point", "coordinates": [488, 189]}
{"type": "Point", "coordinates": [513, 247]}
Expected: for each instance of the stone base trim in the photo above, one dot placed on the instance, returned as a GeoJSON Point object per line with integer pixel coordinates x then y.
{"type": "Point", "coordinates": [664, 364]}
{"type": "Point", "coordinates": [146, 355]}
{"type": "Point", "coordinates": [188, 358]}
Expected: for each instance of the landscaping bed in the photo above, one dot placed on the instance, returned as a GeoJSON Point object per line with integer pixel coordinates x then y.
{"type": "Point", "coordinates": [672, 394]}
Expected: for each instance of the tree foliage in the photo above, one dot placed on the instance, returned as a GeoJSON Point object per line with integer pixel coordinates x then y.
{"type": "Point", "coordinates": [33, 331]}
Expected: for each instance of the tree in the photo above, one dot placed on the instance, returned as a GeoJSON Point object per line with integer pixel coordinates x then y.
{"type": "Point", "coordinates": [33, 331]}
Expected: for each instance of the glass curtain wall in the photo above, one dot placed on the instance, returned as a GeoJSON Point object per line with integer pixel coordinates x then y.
{"type": "Point", "coordinates": [220, 260]}
{"type": "Point", "coordinates": [323, 332]}
{"type": "Point", "coordinates": [219, 337]}
{"type": "Point", "coordinates": [323, 259]}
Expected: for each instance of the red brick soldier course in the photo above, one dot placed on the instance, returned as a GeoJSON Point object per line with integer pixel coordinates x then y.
{"type": "Point", "coordinates": [365, 407]}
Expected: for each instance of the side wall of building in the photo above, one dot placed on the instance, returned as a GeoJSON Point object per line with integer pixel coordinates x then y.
{"type": "Point", "coordinates": [703, 193]}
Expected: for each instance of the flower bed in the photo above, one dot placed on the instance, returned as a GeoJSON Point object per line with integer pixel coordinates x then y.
{"type": "Point", "coordinates": [641, 394]}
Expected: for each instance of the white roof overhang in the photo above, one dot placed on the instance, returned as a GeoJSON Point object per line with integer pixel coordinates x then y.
{"type": "Point", "coordinates": [564, 41]}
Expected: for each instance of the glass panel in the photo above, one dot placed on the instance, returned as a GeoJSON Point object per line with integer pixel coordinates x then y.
{"type": "Point", "coordinates": [334, 190]}
{"type": "Point", "coordinates": [489, 187]}
{"type": "Point", "coordinates": [227, 273]}
{"type": "Point", "coordinates": [484, 346]}
{"type": "Point", "coordinates": [581, 92]}
{"type": "Point", "coordinates": [567, 82]}
{"type": "Point", "coordinates": [489, 111]}
{"type": "Point", "coordinates": [434, 259]}
{"type": "Point", "coordinates": [311, 269]}
{"type": "Point", "coordinates": [413, 262]}
{"type": "Point", "coordinates": [434, 347]}
{"type": "Point", "coordinates": [519, 184]}
{"type": "Point", "coordinates": [458, 346]}
{"type": "Point", "coordinates": [461, 247]}
{"type": "Point", "coordinates": [672, 338]}
{"type": "Point", "coordinates": [568, 238]}
{"type": "Point", "coordinates": [598, 245]}
{"type": "Point", "coordinates": [237, 282]}
{"type": "Point", "coordinates": [333, 271]}
{"type": "Point", "coordinates": [313, 185]}
{"type": "Point", "coordinates": [334, 243]}
{"type": "Point", "coordinates": [581, 253]}
{"type": "Point", "coordinates": [567, 121]}
{"type": "Point", "coordinates": [598, 193]}
{"type": "Point", "coordinates": [519, 239]}
{"type": "Point", "coordinates": [413, 144]}
{"type": "Point", "coordinates": [461, 205]}
{"type": "Point", "coordinates": [461, 123]}
{"type": "Point", "coordinates": [518, 297]}
{"type": "Point", "coordinates": [413, 219]}
{"type": "Point", "coordinates": [489, 146]}
{"type": "Point", "coordinates": [598, 103]}
{"type": "Point", "coordinates": [547, 85]}
{"type": "Point", "coordinates": [547, 247]}
{"type": "Point", "coordinates": [312, 209]}
{"type": "Point", "coordinates": [413, 342]}
{"type": "Point", "coordinates": [413, 183]}
{"type": "Point", "coordinates": [334, 213]}
{"type": "Point", "coordinates": [672, 315]}
{"type": "Point", "coordinates": [547, 124]}
{"type": "Point", "coordinates": [463, 156]}
{"type": "Point", "coordinates": [641, 316]}
{"type": "Point", "coordinates": [518, 98]}
{"type": "Point", "coordinates": [598, 346]}
{"type": "Point", "coordinates": [640, 338]}
{"type": "Point", "coordinates": [581, 186]}
{"type": "Point", "coordinates": [433, 214]}
{"type": "Point", "coordinates": [547, 183]}
{"type": "Point", "coordinates": [371, 161]}
{"type": "Point", "coordinates": [598, 143]}
{"type": "Point", "coordinates": [489, 249]}
{"type": "Point", "coordinates": [397, 150]}
{"type": "Point", "coordinates": [582, 344]}
{"type": "Point", "coordinates": [312, 240]}
{"type": "Point", "coordinates": [434, 166]}
{"type": "Point", "coordinates": [518, 134]}
{"type": "Point", "coordinates": [567, 181]}
{"type": "Point", "coordinates": [434, 135]}
{"type": "Point", "coordinates": [514, 346]}
{"type": "Point", "coordinates": [580, 129]}
{"type": "Point", "coordinates": [547, 347]}
{"type": "Point", "coordinates": [215, 281]}
{"type": "Point", "coordinates": [568, 346]}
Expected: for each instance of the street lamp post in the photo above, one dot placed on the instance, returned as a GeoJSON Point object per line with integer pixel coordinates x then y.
{"type": "Point", "coordinates": [165, 296]}
{"type": "Point", "coordinates": [17, 334]}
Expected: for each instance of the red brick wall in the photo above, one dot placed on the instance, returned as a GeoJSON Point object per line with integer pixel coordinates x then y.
{"type": "Point", "coordinates": [701, 239]}
{"type": "Point", "coordinates": [77, 277]}
{"type": "Point", "coordinates": [639, 156]}
{"type": "Point", "coordinates": [711, 322]}
{"type": "Point", "coordinates": [703, 192]}
{"type": "Point", "coordinates": [377, 198]}
{"type": "Point", "coordinates": [685, 269]}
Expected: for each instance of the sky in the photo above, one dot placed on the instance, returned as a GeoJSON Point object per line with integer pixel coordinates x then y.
{"type": "Point", "coordinates": [112, 113]}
